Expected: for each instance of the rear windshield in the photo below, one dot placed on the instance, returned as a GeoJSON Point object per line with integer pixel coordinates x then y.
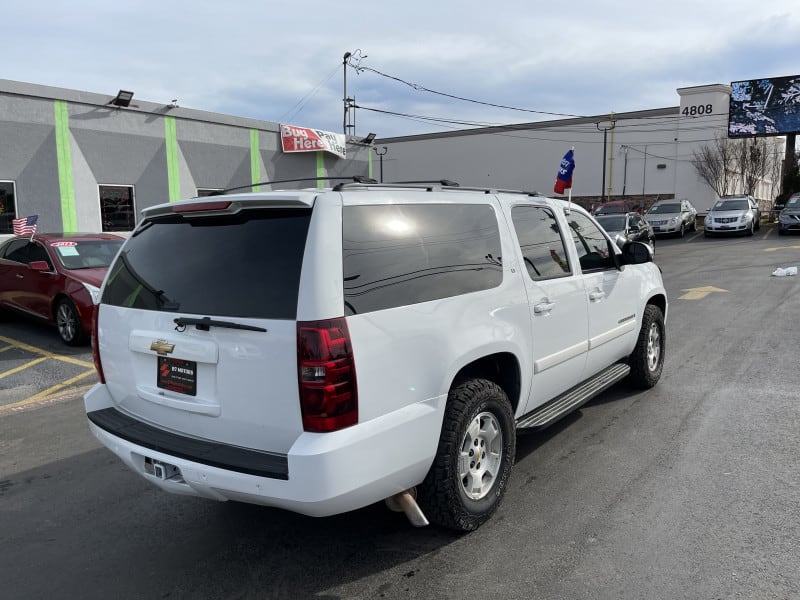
{"type": "Point", "coordinates": [612, 223]}
{"type": "Point", "coordinates": [245, 265]}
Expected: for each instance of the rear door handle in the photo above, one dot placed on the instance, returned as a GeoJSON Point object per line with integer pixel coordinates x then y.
{"type": "Point", "coordinates": [597, 295]}
{"type": "Point", "coordinates": [20, 276]}
{"type": "Point", "coordinates": [543, 307]}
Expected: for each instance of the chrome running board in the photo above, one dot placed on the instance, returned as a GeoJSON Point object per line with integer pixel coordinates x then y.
{"type": "Point", "coordinates": [572, 399]}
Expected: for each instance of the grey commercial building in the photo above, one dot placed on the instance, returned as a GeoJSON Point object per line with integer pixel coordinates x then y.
{"type": "Point", "coordinates": [82, 163]}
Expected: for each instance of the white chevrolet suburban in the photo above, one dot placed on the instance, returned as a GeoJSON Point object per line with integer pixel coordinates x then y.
{"type": "Point", "coordinates": [321, 350]}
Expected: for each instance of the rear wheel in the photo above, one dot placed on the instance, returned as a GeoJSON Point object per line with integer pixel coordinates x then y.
{"type": "Point", "coordinates": [647, 358]}
{"type": "Point", "coordinates": [69, 323]}
{"type": "Point", "coordinates": [473, 462]}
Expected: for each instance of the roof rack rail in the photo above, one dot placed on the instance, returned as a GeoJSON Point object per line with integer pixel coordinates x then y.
{"type": "Point", "coordinates": [353, 178]}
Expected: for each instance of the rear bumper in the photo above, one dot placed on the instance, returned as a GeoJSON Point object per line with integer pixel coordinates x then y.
{"type": "Point", "coordinates": [322, 474]}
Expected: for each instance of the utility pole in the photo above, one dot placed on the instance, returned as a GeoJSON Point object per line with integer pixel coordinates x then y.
{"type": "Point", "coordinates": [624, 148]}
{"type": "Point", "coordinates": [344, 98]}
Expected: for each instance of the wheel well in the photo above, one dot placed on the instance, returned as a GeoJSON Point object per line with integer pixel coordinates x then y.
{"type": "Point", "coordinates": [55, 304]}
{"type": "Point", "coordinates": [660, 301]}
{"type": "Point", "coordinates": [502, 368]}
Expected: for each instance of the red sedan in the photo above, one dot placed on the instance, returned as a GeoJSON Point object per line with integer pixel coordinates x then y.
{"type": "Point", "coordinates": [57, 277]}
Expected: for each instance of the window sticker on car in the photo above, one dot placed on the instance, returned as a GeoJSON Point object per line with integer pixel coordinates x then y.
{"type": "Point", "coordinates": [67, 250]}
{"type": "Point", "coordinates": [177, 375]}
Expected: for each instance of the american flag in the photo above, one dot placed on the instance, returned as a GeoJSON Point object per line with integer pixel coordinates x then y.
{"type": "Point", "coordinates": [25, 225]}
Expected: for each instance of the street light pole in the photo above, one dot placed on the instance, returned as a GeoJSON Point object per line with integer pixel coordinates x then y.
{"type": "Point", "coordinates": [344, 98]}
{"type": "Point", "coordinates": [605, 137]}
{"type": "Point", "coordinates": [380, 156]}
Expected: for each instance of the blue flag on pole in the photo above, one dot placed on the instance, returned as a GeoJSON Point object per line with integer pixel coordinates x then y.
{"type": "Point", "coordinates": [564, 178]}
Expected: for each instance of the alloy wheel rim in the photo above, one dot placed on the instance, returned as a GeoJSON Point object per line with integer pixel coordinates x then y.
{"type": "Point", "coordinates": [480, 456]}
{"type": "Point", "coordinates": [653, 347]}
{"type": "Point", "coordinates": [66, 322]}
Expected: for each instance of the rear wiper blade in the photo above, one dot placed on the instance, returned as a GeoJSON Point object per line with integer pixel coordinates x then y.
{"type": "Point", "coordinates": [205, 323]}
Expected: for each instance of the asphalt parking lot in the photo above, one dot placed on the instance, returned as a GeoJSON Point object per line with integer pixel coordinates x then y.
{"type": "Point", "coordinates": [688, 490]}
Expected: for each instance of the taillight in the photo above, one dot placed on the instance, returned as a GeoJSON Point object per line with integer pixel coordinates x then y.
{"type": "Point", "coordinates": [326, 375]}
{"type": "Point", "coordinates": [96, 346]}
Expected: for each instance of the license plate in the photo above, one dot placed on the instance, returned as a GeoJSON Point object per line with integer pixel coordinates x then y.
{"type": "Point", "coordinates": [177, 375]}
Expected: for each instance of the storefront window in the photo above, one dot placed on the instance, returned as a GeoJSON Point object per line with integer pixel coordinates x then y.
{"type": "Point", "coordinates": [116, 207]}
{"type": "Point", "coordinates": [8, 206]}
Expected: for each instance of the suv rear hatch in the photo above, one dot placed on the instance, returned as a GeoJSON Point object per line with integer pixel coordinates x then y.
{"type": "Point", "coordinates": [197, 320]}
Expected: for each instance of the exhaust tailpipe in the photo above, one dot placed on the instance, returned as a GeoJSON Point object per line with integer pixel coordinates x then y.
{"type": "Point", "coordinates": [405, 502]}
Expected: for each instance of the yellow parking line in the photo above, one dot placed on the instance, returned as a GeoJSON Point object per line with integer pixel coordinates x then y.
{"type": "Point", "coordinates": [6, 348]}
{"type": "Point", "coordinates": [23, 367]}
{"type": "Point", "coordinates": [41, 397]}
{"type": "Point", "coordinates": [45, 353]}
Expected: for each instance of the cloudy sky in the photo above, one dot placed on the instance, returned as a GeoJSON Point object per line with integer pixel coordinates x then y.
{"type": "Point", "coordinates": [282, 60]}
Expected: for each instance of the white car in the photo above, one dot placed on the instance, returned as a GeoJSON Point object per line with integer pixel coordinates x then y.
{"type": "Point", "coordinates": [674, 217]}
{"type": "Point", "coordinates": [321, 350]}
{"type": "Point", "coordinates": [733, 214]}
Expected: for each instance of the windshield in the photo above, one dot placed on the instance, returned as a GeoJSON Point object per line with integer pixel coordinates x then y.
{"type": "Point", "coordinates": [665, 208]}
{"type": "Point", "coordinates": [611, 208]}
{"type": "Point", "coordinates": [612, 223]}
{"type": "Point", "coordinates": [738, 204]}
{"type": "Point", "coordinates": [793, 202]}
{"type": "Point", "coordinates": [93, 254]}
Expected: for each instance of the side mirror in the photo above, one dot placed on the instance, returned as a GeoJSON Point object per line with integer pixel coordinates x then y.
{"type": "Point", "coordinates": [38, 265]}
{"type": "Point", "coordinates": [636, 253]}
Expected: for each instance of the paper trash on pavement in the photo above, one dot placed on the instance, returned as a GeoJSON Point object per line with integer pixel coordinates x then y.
{"type": "Point", "coordinates": [784, 272]}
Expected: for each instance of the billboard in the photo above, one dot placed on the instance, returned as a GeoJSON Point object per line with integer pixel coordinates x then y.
{"type": "Point", "coordinates": [764, 107]}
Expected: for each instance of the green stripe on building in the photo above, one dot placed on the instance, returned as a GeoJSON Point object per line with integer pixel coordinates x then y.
{"type": "Point", "coordinates": [173, 176]}
{"type": "Point", "coordinates": [255, 160]}
{"type": "Point", "coordinates": [69, 217]}
{"type": "Point", "coordinates": [321, 169]}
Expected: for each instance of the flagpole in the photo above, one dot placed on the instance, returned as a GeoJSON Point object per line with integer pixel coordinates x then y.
{"type": "Point", "coordinates": [569, 199]}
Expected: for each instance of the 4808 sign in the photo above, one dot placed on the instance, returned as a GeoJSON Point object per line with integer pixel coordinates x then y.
{"type": "Point", "coordinates": [697, 110]}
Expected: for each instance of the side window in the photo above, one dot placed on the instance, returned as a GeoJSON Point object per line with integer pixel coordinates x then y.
{"type": "Point", "coordinates": [17, 251]}
{"type": "Point", "coordinates": [37, 252]}
{"type": "Point", "coordinates": [400, 254]}
{"type": "Point", "coordinates": [594, 250]}
{"type": "Point", "coordinates": [540, 241]}
{"type": "Point", "coordinates": [116, 207]}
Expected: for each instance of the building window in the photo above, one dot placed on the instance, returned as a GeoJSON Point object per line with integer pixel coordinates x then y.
{"type": "Point", "coordinates": [8, 206]}
{"type": "Point", "coordinates": [116, 207]}
{"type": "Point", "coordinates": [202, 192]}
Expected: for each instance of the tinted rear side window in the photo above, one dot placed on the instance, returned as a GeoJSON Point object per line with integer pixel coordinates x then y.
{"type": "Point", "coordinates": [395, 255]}
{"type": "Point", "coordinates": [245, 265]}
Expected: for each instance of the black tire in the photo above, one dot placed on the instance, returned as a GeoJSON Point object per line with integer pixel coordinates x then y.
{"type": "Point", "coordinates": [750, 231]}
{"type": "Point", "coordinates": [647, 358]}
{"type": "Point", "coordinates": [478, 415]}
{"type": "Point", "coordinates": [781, 231]}
{"type": "Point", "coordinates": [682, 231]}
{"type": "Point", "coordinates": [68, 323]}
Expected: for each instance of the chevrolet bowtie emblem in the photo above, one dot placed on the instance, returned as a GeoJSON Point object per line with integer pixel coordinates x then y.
{"type": "Point", "coordinates": [162, 347]}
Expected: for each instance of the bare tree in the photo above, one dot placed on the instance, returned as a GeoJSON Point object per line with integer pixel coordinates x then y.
{"type": "Point", "coordinates": [715, 164]}
{"type": "Point", "coordinates": [752, 163]}
{"type": "Point", "coordinates": [726, 163]}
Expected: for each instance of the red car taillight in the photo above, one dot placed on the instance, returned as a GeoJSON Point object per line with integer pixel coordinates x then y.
{"type": "Point", "coordinates": [95, 346]}
{"type": "Point", "coordinates": [326, 375]}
